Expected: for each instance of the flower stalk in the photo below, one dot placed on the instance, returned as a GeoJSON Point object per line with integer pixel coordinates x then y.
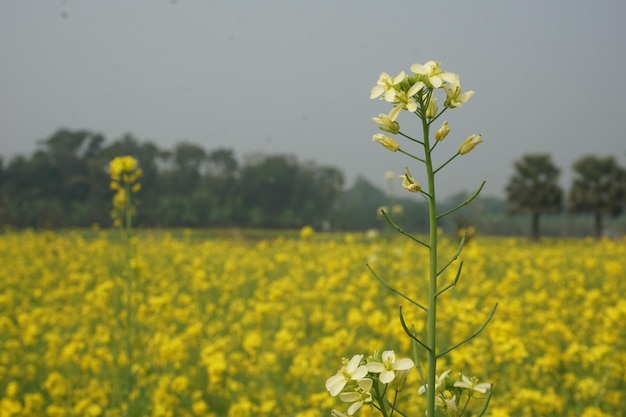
{"type": "Point", "coordinates": [444, 393]}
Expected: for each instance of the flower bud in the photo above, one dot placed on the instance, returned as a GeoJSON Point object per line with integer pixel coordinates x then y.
{"type": "Point", "coordinates": [443, 131]}
{"type": "Point", "coordinates": [387, 123]}
{"type": "Point", "coordinates": [432, 109]}
{"type": "Point", "coordinates": [470, 143]}
{"type": "Point", "coordinates": [386, 141]}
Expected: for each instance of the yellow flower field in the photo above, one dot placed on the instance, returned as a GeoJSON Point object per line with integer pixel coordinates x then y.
{"type": "Point", "coordinates": [184, 325]}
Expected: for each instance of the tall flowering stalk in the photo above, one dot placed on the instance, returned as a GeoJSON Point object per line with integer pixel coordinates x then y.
{"type": "Point", "coordinates": [364, 381]}
{"type": "Point", "coordinates": [124, 172]}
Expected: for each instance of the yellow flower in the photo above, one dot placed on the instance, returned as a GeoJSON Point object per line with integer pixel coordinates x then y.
{"type": "Point", "coordinates": [386, 86]}
{"type": "Point", "coordinates": [386, 141]}
{"type": "Point", "coordinates": [442, 132]}
{"type": "Point", "coordinates": [470, 143]}
{"type": "Point", "coordinates": [409, 183]}
{"type": "Point", "coordinates": [388, 123]}
{"type": "Point", "coordinates": [454, 96]}
{"type": "Point", "coordinates": [432, 75]}
{"type": "Point", "coordinates": [432, 109]}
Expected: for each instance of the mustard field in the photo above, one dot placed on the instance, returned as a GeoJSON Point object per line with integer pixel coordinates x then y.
{"type": "Point", "coordinates": [190, 325]}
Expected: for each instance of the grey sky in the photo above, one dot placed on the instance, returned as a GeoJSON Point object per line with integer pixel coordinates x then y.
{"type": "Point", "coordinates": [294, 77]}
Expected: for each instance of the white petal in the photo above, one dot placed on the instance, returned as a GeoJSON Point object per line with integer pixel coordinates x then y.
{"type": "Point", "coordinates": [354, 363]}
{"type": "Point", "coordinates": [415, 88]}
{"type": "Point", "coordinates": [482, 387]}
{"type": "Point", "coordinates": [399, 78]}
{"type": "Point", "coordinates": [466, 96]}
{"type": "Point", "coordinates": [419, 69]}
{"type": "Point", "coordinates": [337, 387]}
{"type": "Point", "coordinates": [411, 106]}
{"type": "Point", "coordinates": [403, 364]}
{"type": "Point", "coordinates": [449, 77]}
{"type": "Point", "coordinates": [393, 114]}
{"type": "Point", "coordinates": [360, 372]}
{"type": "Point", "coordinates": [365, 384]}
{"type": "Point", "coordinates": [349, 397]}
{"type": "Point", "coordinates": [435, 81]}
{"type": "Point", "coordinates": [375, 367]}
{"type": "Point", "coordinates": [377, 91]}
{"type": "Point", "coordinates": [386, 377]}
{"type": "Point", "coordinates": [333, 380]}
{"type": "Point", "coordinates": [389, 356]}
{"type": "Point", "coordinates": [354, 407]}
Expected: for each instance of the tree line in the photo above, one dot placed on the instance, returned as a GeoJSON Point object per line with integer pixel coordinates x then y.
{"type": "Point", "coordinates": [65, 183]}
{"type": "Point", "coordinates": [598, 189]}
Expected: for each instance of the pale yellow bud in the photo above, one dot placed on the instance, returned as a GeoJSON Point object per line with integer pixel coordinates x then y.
{"type": "Point", "coordinates": [386, 141]}
{"type": "Point", "coordinates": [443, 131]}
{"type": "Point", "coordinates": [409, 183]}
{"type": "Point", "coordinates": [388, 122]}
{"type": "Point", "coordinates": [470, 143]}
{"type": "Point", "coordinates": [432, 109]}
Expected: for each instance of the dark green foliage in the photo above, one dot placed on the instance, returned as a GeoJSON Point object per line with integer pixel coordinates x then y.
{"type": "Point", "coordinates": [65, 183]}
{"type": "Point", "coordinates": [533, 189]}
{"type": "Point", "coordinates": [599, 188]}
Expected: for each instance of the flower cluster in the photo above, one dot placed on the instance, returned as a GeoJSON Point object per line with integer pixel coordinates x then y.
{"type": "Point", "coordinates": [414, 93]}
{"type": "Point", "coordinates": [453, 396]}
{"type": "Point", "coordinates": [124, 172]}
{"type": "Point", "coordinates": [355, 380]}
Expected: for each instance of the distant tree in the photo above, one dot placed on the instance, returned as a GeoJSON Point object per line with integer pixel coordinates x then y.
{"type": "Point", "coordinates": [533, 189]}
{"type": "Point", "coordinates": [356, 207]}
{"type": "Point", "coordinates": [599, 187]}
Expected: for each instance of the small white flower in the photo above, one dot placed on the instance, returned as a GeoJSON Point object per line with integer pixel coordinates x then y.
{"type": "Point", "coordinates": [434, 75]}
{"type": "Point", "coordinates": [472, 384]}
{"type": "Point", "coordinates": [359, 396]}
{"type": "Point", "coordinates": [388, 366]}
{"type": "Point", "coordinates": [440, 380]}
{"type": "Point", "coordinates": [386, 86]}
{"type": "Point", "coordinates": [352, 371]}
{"type": "Point", "coordinates": [454, 96]}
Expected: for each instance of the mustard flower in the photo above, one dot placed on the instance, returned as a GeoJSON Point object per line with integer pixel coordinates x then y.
{"type": "Point", "coordinates": [447, 403]}
{"type": "Point", "coordinates": [442, 132]}
{"type": "Point", "coordinates": [454, 97]}
{"type": "Point", "coordinates": [352, 371]}
{"type": "Point", "coordinates": [359, 396]}
{"type": "Point", "coordinates": [432, 74]}
{"type": "Point", "coordinates": [409, 183]}
{"type": "Point", "coordinates": [386, 141]}
{"type": "Point", "coordinates": [472, 384]}
{"type": "Point", "coordinates": [470, 143]}
{"type": "Point", "coordinates": [388, 122]}
{"type": "Point", "coordinates": [388, 366]}
{"type": "Point", "coordinates": [432, 109]}
{"type": "Point", "coordinates": [439, 383]}
{"type": "Point", "coordinates": [387, 86]}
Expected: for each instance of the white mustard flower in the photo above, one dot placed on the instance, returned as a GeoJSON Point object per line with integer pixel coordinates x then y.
{"type": "Point", "coordinates": [352, 371]}
{"type": "Point", "coordinates": [388, 366]}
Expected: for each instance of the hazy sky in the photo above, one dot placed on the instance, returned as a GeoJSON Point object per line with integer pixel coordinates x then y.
{"type": "Point", "coordinates": [294, 77]}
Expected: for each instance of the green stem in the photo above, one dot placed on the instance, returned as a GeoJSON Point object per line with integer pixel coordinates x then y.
{"type": "Point", "coordinates": [129, 307]}
{"type": "Point", "coordinates": [393, 290]}
{"type": "Point", "coordinates": [432, 289]}
{"type": "Point", "coordinates": [412, 156]}
{"type": "Point", "coordinates": [410, 138]}
{"type": "Point", "coordinates": [400, 230]}
{"type": "Point", "coordinates": [466, 202]}
{"type": "Point", "coordinates": [447, 162]}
